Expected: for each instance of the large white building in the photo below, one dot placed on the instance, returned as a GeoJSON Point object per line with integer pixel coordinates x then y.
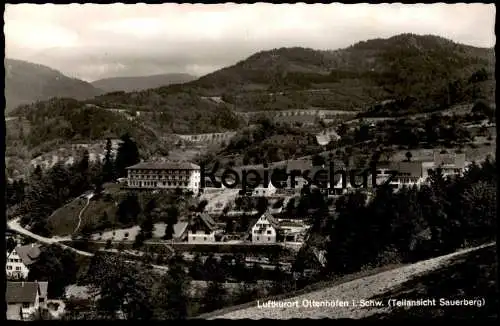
{"type": "Point", "coordinates": [164, 175]}
{"type": "Point", "coordinates": [20, 259]}
{"type": "Point", "coordinates": [265, 229]}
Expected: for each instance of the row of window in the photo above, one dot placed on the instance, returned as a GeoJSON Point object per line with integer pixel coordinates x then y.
{"type": "Point", "coordinates": [158, 184]}
{"type": "Point", "coordinates": [14, 260]}
{"type": "Point", "coordinates": [184, 172]}
{"type": "Point", "coordinates": [258, 238]}
{"type": "Point", "coordinates": [18, 268]}
{"type": "Point", "coordinates": [260, 232]}
{"type": "Point", "coordinates": [159, 177]}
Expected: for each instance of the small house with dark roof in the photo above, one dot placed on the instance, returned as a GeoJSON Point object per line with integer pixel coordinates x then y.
{"type": "Point", "coordinates": [20, 259]}
{"type": "Point", "coordinates": [408, 173]}
{"type": "Point", "coordinates": [164, 175]}
{"type": "Point", "coordinates": [450, 163]}
{"type": "Point", "coordinates": [201, 229]}
{"type": "Point", "coordinates": [265, 229]}
{"type": "Point", "coordinates": [23, 299]}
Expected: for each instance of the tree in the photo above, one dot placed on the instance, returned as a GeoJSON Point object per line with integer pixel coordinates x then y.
{"type": "Point", "coordinates": [139, 240]}
{"type": "Point", "coordinates": [147, 225]}
{"type": "Point", "coordinates": [196, 269]}
{"type": "Point", "coordinates": [57, 266]}
{"type": "Point", "coordinates": [171, 220]}
{"type": "Point", "coordinates": [108, 172]}
{"type": "Point", "coordinates": [172, 299]}
{"type": "Point", "coordinates": [122, 286]}
{"type": "Point", "coordinates": [214, 297]}
{"type": "Point", "coordinates": [127, 155]}
{"type": "Point", "coordinates": [408, 156]}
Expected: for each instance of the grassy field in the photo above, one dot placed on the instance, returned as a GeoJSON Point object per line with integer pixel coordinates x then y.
{"type": "Point", "coordinates": [471, 276]}
{"type": "Point", "coordinates": [64, 220]}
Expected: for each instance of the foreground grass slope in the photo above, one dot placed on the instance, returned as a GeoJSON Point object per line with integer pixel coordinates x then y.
{"type": "Point", "coordinates": [375, 286]}
{"type": "Point", "coordinates": [469, 276]}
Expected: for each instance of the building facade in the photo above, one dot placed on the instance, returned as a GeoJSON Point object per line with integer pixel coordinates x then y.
{"type": "Point", "coordinates": [20, 259]}
{"type": "Point", "coordinates": [164, 175]}
{"type": "Point", "coordinates": [23, 300]}
{"type": "Point", "coordinates": [202, 229]}
{"type": "Point", "coordinates": [265, 229]}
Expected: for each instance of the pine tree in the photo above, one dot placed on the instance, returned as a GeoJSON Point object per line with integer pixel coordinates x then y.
{"type": "Point", "coordinates": [127, 155]}
{"type": "Point", "coordinates": [108, 167]}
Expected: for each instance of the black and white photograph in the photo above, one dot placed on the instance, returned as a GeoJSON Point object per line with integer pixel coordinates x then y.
{"type": "Point", "coordinates": [232, 161]}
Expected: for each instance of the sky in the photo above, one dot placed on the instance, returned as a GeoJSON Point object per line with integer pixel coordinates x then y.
{"type": "Point", "coordinates": [92, 41]}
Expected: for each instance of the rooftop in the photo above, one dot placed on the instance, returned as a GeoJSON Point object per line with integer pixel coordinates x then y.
{"type": "Point", "coordinates": [28, 253]}
{"type": "Point", "coordinates": [181, 165]}
{"type": "Point", "coordinates": [21, 292]}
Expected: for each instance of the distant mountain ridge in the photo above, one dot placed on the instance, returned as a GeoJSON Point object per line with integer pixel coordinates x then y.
{"type": "Point", "coordinates": [27, 82]}
{"type": "Point", "coordinates": [138, 83]}
{"type": "Point", "coordinates": [405, 66]}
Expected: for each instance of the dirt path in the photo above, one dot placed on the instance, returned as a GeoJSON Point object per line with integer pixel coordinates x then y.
{"type": "Point", "coordinates": [350, 292]}
{"type": "Point", "coordinates": [89, 196]}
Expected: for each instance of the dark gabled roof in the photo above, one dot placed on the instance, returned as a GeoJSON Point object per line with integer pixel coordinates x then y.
{"type": "Point", "coordinates": [267, 216]}
{"type": "Point", "coordinates": [165, 166]}
{"type": "Point", "coordinates": [28, 253]}
{"type": "Point", "coordinates": [21, 292]}
{"type": "Point", "coordinates": [412, 169]}
{"type": "Point", "coordinates": [207, 220]}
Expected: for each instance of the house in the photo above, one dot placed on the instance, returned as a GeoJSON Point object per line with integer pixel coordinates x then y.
{"type": "Point", "coordinates": [262, 191]}
{"type": "Point", "coordinates": [164, 175]}
{"type": "Point", "coordinates": [409, 173]}
{"type": "Point", "coordinates": [327, 136]}
{"type": "Point", "coordinates": [25, 299]}
{"type": "Point", "coordinates": [265, 229]}
{"type": "Point", "coordinates": [20, 259]}
{"type": "Point", "coordinates": [450, 164]}
{"type": "Point", "coordinates": [201, 229]}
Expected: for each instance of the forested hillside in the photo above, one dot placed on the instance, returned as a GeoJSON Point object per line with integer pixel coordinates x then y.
{"type": "Point", "coordinates": [26, 82]}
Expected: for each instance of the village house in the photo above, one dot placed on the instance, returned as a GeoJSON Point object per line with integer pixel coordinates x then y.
{"type": "Point", "coordinates": [201, 229]}
{"type": "Point", "coordinates": [164, 175]}
{"type": "Point", "coordinates": [451, 164]}
{"type": "Point", "coordinates": [409, 173]}
{"type": "Point", "coordinates": [265, 229]}
{"type": "Point", "coordinates": [20, 259]}
{"type": "Point", "coordinates": [25, 299]}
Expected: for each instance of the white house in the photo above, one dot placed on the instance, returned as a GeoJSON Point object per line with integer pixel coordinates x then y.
{"type": "Point", "coordinates": [264, 191]}
{"type": "Point", "coordinates": [20, 259]}
{"type": "Point", "coordinates": [24, 299]}
{"type": "Point", "coordinates": [164, 175]}
{"type": "Point", "coordinates": [202, 229]}
{"type": "Point", "coordinates": [265, 229]}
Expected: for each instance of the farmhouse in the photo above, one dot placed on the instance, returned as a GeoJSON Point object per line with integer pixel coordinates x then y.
{"type": "Point", "coordinates": [24, 299]}
{"type": "Point", "coordinates": [20, 259]}
{"type": "Point", "coordinates": [201, 229]}
{"type": "Point", "coordinates": [265, 229]}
